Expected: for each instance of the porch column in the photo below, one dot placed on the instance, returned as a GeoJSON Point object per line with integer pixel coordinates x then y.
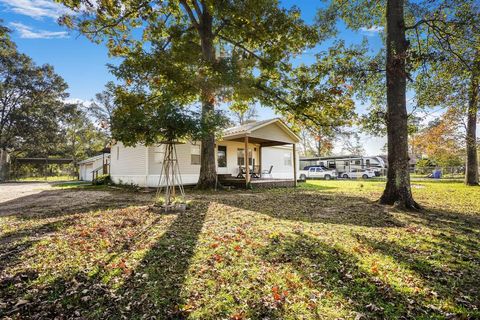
{"type": "Point", "coordinates": [294, 150]}
{"type": "Point", "coordinates": [260, 160]}
{"type": "Point", "coordinates": [247, 167]}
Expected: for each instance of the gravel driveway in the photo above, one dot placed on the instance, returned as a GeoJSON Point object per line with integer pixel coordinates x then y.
{"type": "Point", "coordinates": [11, 191]}
{"type": "Point", "coordinates": [44, 199]}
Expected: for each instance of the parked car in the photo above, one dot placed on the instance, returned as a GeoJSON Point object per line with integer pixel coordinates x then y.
{"type": "Point", "coordinates": [317, 173]}
{"type": "Point", "coordinates": [359, 173]}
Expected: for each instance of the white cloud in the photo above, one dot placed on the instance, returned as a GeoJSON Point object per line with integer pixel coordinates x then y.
{"type": "Point", "coordinates": [27, 32]}
{"type": "Point", "coordinates": [373, 30]}
{"type": "Point", "coordinates": [36, 9]}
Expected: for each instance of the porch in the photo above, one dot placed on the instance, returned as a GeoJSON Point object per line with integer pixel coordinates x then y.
{"type": "Point", "coordinates": [265, 154]}
{"type": "Point", "coordinates": [255, 183]}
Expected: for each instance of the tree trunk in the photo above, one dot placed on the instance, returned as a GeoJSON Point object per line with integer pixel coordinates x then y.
{"type": "Point", "coordinates": [471, 170]}
{"type": "Point", "coordinates": [208, 172]}
{"type": "Point", "coordinates": [397, 190]}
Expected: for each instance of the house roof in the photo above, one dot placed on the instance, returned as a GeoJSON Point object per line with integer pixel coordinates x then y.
{"type": "Point", "coordinates": [249, 128]}
{"type": "Point", "coordinates": [93, 159]}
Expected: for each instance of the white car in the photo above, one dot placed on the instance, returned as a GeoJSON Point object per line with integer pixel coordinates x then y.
{"type": "Point", "coordinates": [358, 173]}
{"type": "Point", "coordinates": [317, 173]}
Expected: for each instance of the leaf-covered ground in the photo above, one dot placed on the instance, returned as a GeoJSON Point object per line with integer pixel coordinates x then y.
{"type": "Point", "coordinates": [323, 251]}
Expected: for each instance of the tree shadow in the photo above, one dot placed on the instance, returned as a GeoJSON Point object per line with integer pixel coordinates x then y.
{"type": "Point", "coordinates": [13, 244]}
{"type": "Point", "coordinates": [153, 288]}
{"type": "Point", "coordinates": [307, 206]}
{"type": "Point", "coordinates": [339, 276]}
{"type": "Point", "coordinates": [447, 266]}
{"type": "Point", "coordinates": [50, 210]}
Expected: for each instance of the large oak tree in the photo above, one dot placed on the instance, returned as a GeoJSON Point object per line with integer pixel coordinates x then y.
{"type": "Point", "coordinates": [194, 51]}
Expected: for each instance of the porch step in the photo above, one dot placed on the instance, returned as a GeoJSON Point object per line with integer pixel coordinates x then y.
{"type": "Point", "coordinates": [222, 177]}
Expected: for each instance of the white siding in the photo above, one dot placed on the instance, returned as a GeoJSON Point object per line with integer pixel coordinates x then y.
{"type": "Point", "coordinates": [275, 156]}
{"type": "Point", "coordinates": [128, 164]}
{"type": "Point", "coordinates": [85, 169]}
{"type": "Point", "coordinates": [272, 132]}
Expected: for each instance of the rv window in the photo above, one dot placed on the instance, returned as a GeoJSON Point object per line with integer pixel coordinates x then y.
{"type": "Point", "coordinates": [357, 162]}
{"type": "Point", "coordinates": [331, 164]}
{"type": "Point", "coordinates": [287, 159]}
{"type": "Point", "coordinates": [367, 162]}
{"type": "Point", "coordinates": [195, 155]}
{"type": "Point", "coordinates": [222, 156]}
{"type": "Point", "coordinates": [346, 164]}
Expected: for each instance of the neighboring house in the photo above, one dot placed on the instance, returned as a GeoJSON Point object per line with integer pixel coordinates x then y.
{"type": "Point", "coordinates": [270, 143]}
{"type": "Point", "coordinates": [93, 166]}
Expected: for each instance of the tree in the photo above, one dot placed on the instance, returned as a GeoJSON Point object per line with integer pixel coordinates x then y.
{"type": "Point", "coordinates": [405, 24]}
{"type": "Point", "coordinates": [82, 139]}
{"type": "Point", "coordinates": [31, 105]}
{"type": "Point", "coordinates": [243, 112]}
{"type": "Point", "coordinates": [103, 106]}
{"type": "Point", "coordinates": [195, 50]}
{"type": "Point", "coordinates": [315, 143]}
{"type": "Point", "coordinates": [353, 147]}
{"type": "Point", "coordinates": [441, 141]}
{"type": "Point", "coordinates": [451, 78]}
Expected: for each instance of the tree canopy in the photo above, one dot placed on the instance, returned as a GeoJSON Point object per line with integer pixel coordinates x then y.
{"type": "Point", "coordinates": [31, 101]}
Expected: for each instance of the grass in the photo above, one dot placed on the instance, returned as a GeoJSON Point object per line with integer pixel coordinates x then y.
{"type": "Point", "coordinates": [323, 251]}
{"type": "Point", "coordinates": [49, 178]}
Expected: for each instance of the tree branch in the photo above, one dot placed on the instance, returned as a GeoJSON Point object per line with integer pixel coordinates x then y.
{"type": "Point", "coordinates": [190, 13]}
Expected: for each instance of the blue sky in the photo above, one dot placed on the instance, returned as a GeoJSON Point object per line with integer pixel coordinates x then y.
{"type": "Point", "coordinates": [83, 64]}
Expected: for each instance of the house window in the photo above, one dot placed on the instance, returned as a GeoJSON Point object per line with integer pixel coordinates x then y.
{"type": "Point", "coordinates": [118, 152]}
{"type": "Point", "coordinates": [195, 155]}
{"type": "Point", "coordinates": [241, 157]}
{"type": "Point", "coordinates": [287, 159]}
{"type": "Point", "coordinates": [222, 156]}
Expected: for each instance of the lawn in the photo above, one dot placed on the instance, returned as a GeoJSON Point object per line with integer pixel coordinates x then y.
{"type": "Point", "coordinates": [323, 251]}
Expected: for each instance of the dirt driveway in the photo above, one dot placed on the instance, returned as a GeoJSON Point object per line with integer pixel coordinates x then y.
{"type": "Point", "coordinates": [45, 199]}
{"type": "Point", "coordinates": [11, 191]}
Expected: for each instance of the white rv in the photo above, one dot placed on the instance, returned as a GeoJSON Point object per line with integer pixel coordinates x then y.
{"type": "Point", "coordinates": [345, 164]}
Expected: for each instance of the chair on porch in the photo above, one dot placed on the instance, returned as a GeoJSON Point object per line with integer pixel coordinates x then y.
{"type": "Point", "coordinates": [241, 172]}
{"type": "Point", "coordinates": [268, 172]}
{"type": "Point", "coordinates": [256, 172]}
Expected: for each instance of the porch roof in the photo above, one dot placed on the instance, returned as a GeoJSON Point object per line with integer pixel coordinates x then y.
{"type": "Point", "coordinates": [272, 132]}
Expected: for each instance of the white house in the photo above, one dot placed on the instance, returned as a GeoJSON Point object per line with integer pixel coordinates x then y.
{"type": "Point", "coordinates": [270, 144]}
{"type": "Point", "coordinates": [93, 166]}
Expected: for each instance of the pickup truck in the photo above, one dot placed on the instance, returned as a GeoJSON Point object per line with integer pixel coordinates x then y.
{"type": "Point", "coordinates": [317, 173]}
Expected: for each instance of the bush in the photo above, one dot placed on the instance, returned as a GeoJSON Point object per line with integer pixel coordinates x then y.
{"type": "Point", "coordinates": [103, 179]}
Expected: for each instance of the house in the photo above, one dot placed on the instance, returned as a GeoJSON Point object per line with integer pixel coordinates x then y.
{"type": "Point", "coordinates": [94, 166]}
{"type": "Point", "coordinates": [267, 144]}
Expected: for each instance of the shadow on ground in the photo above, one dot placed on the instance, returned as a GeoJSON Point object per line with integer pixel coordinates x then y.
{"type": "Point", "coordinates": [153, 288]}
{"type": "Point", "coordinates": [309, 206]}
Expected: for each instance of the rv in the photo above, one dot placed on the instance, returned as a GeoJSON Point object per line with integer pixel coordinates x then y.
{"type": "Point", "coordinates": [345, 164]}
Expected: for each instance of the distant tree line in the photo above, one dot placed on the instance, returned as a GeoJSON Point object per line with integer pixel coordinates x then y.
{"type": "Point", "coordinates": [35, 119]}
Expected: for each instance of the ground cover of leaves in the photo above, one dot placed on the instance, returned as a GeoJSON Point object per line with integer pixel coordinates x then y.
{"type": "Point", "coordinates": [323, 251]}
